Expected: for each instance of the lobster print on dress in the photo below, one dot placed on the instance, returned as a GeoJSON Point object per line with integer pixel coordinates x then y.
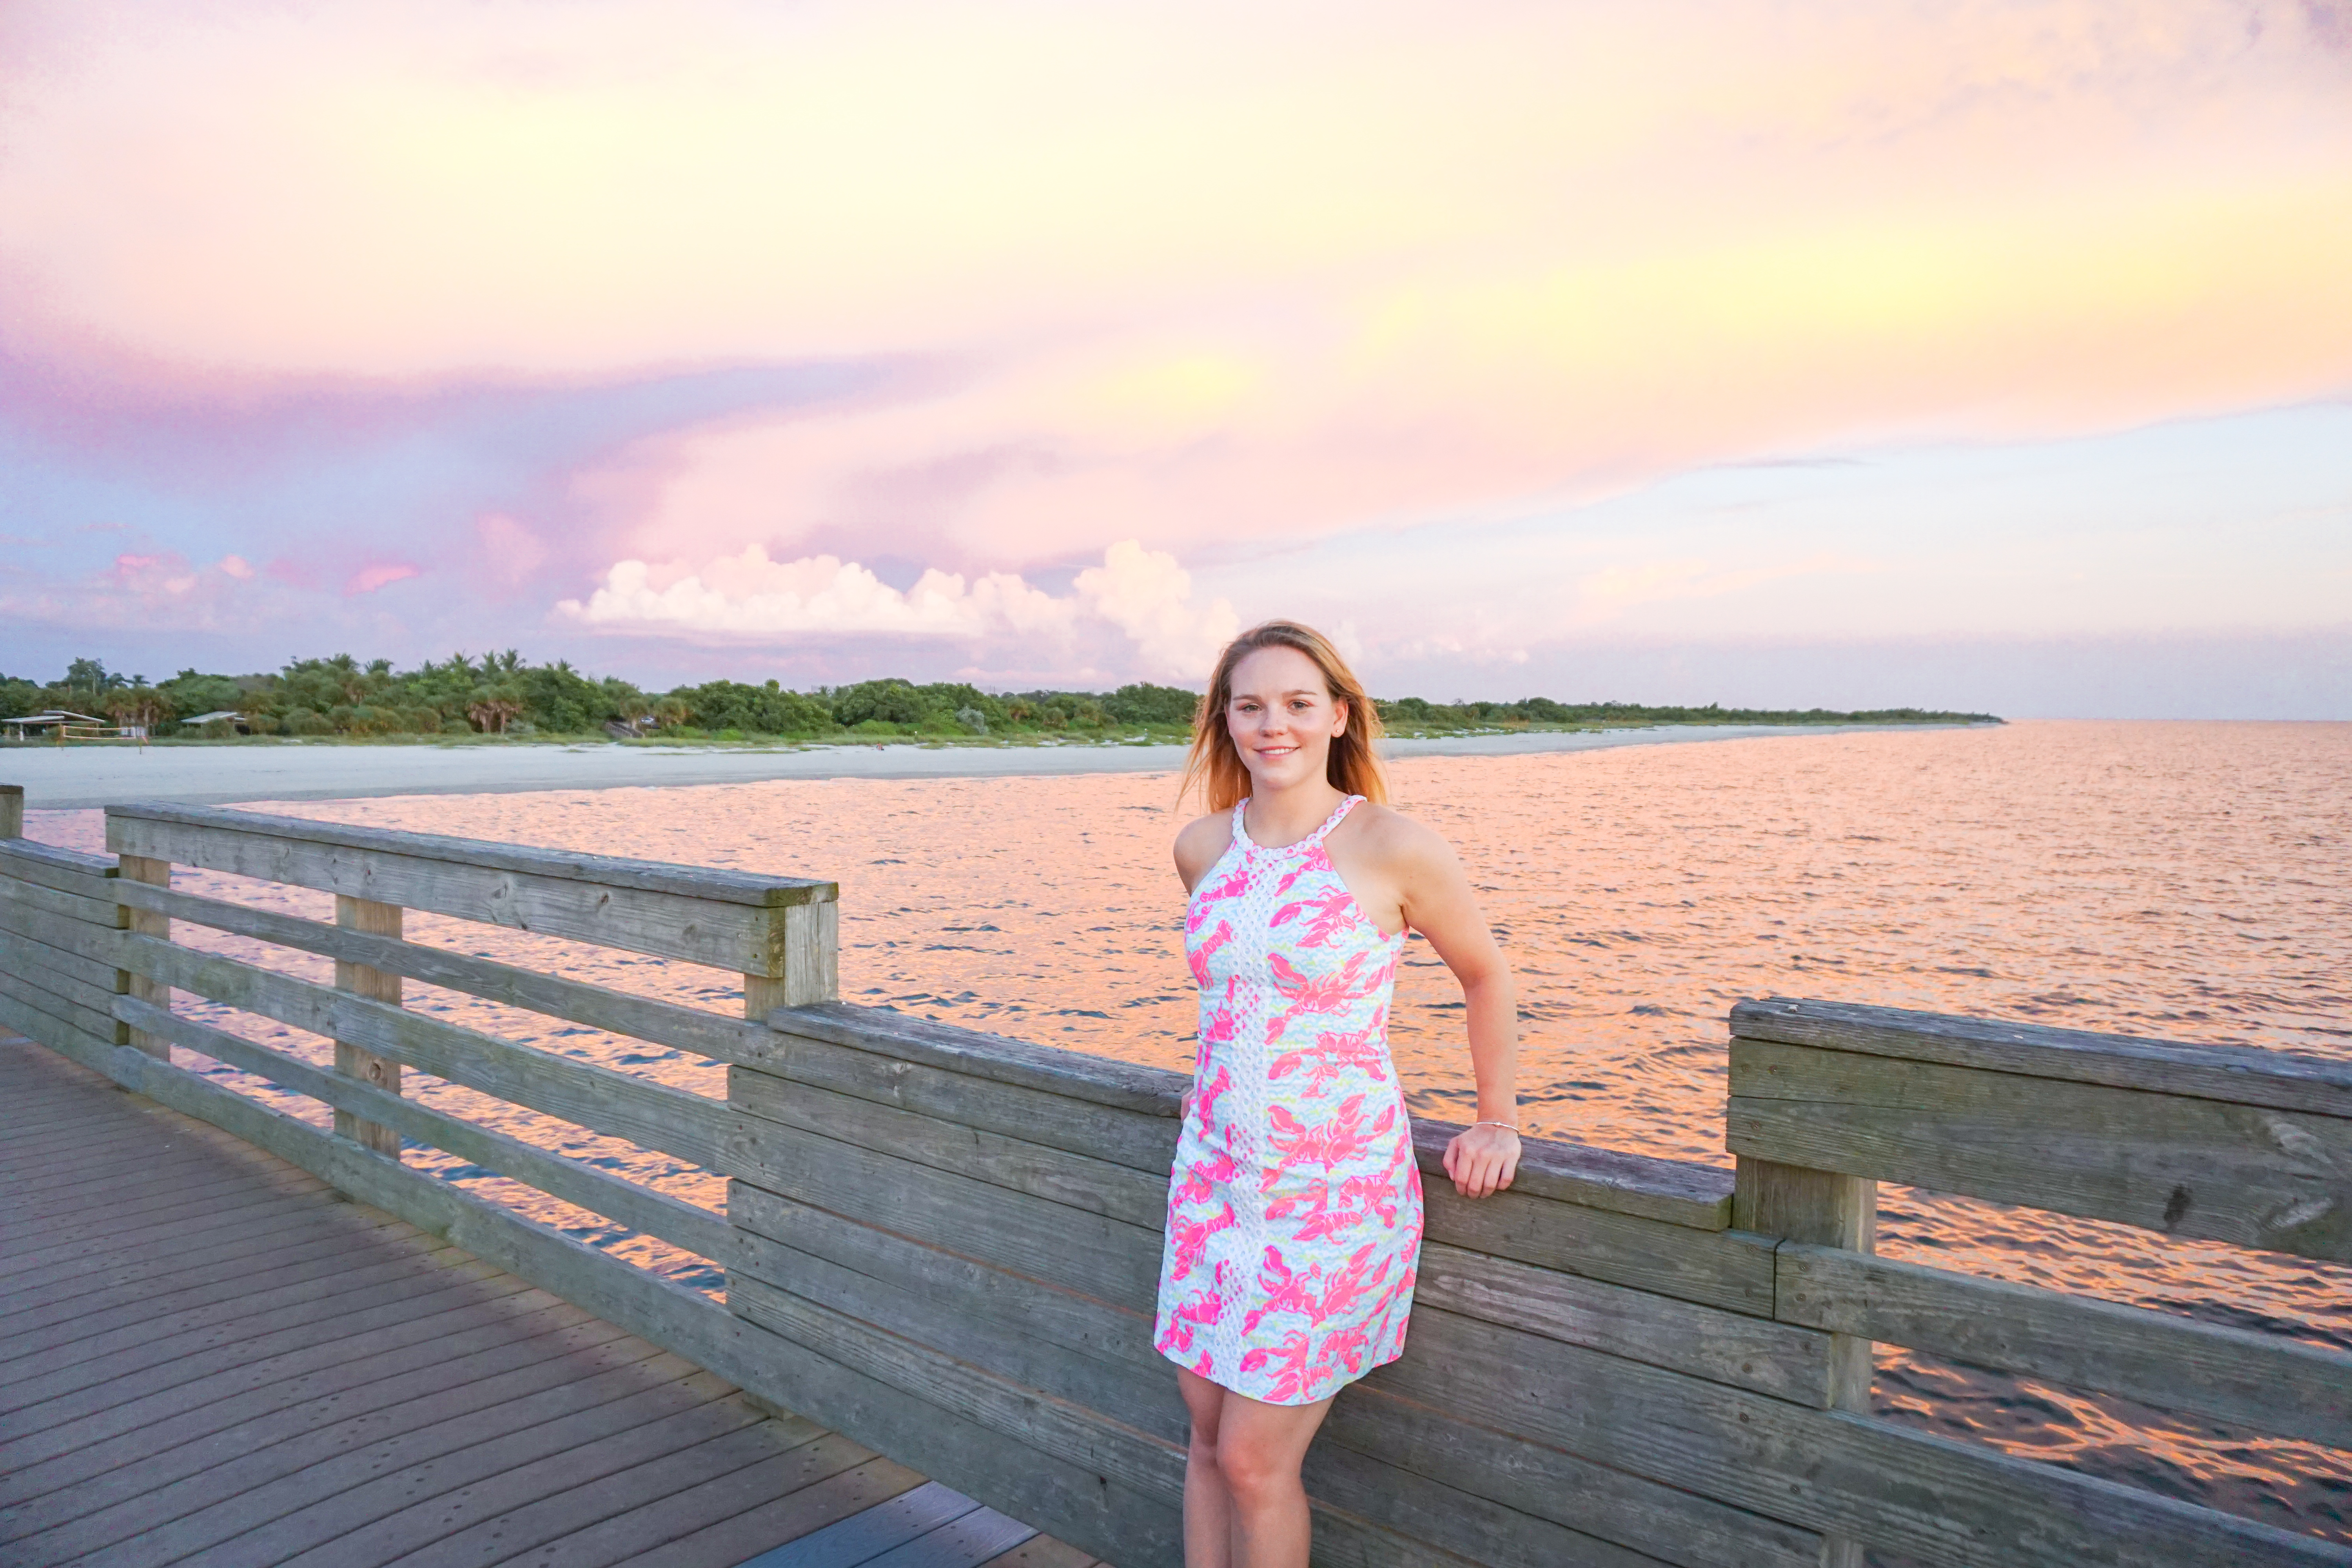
{"type": "Point", "coordinates": [1293, 1209]}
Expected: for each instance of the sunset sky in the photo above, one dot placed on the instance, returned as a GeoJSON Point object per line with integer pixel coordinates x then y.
{"type": "Point", "coordinates": [1978, 354]}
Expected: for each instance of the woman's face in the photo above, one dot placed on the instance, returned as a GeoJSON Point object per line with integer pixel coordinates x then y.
{"type": "Point", "coordinates": [1282, 718]}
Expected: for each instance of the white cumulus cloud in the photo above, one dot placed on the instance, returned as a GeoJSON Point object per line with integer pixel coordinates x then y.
{"type": "Point", "coordinates": [1143, 593]}
{"type": "Point", "coordinates": [1147, 595]}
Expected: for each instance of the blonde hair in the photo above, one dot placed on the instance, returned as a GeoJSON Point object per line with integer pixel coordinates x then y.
{"type": "Point", "coordinates": [1216, 765]}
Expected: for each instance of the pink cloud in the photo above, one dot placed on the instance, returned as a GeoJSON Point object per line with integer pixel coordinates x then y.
{"type": "Point", "coordinates": [382, 575]}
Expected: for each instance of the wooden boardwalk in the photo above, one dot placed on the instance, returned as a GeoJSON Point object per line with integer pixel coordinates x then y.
{"type": "Point", "coordinates": [208, 1357]}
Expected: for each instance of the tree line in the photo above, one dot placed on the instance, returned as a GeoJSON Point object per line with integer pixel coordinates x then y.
{"type": "Point", "coordinates": [500, 694]}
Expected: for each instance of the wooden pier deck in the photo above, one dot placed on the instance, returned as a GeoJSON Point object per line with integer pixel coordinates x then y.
{"type": "Point", "coordinates": [208, 1357]}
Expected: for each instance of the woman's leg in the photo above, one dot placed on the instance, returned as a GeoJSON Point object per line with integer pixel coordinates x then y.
{"type": "Point", "coordinates": [1244, 1505]}
{"type": "Point", "coordinates": [1208, 1509]}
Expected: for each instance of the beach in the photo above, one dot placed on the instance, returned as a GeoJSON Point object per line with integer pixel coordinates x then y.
{"type": "Point", "coordinates": [67, 778]}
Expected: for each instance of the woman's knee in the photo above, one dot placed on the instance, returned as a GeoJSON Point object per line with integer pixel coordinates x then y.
{"type": "Point", "coordinates": [1254, 1468]}
{"type": "Point", "coordinates": [1203, 1404]}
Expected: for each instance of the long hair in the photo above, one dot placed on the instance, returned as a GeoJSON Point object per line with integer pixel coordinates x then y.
{"type": "Point", "coordinates": [1215, 766]}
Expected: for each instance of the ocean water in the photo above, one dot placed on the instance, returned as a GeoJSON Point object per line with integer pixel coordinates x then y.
{"type": "Point", "coordinates": [2190, 881]}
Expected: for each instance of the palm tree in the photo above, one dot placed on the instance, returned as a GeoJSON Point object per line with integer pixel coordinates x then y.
{"type": "Point", "coordinates": [141, 705]}
{"type": "Point", "coordinates": [493, 711]}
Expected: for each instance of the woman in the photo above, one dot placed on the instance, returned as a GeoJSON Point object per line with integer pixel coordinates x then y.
{"type": "Point", "coordinates": [1293, 1210]}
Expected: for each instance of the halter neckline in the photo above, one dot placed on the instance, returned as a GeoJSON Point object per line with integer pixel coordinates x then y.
{"type": "Point", "coordinates": [1297, 846]}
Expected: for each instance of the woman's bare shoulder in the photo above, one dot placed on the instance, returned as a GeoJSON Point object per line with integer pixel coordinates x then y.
{"type": "Point", "coordinates": [1199, 844]}
{"type": "Point", "coordinates": [1399, 839]}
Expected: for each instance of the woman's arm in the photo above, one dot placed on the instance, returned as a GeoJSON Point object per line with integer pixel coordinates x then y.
{"type": "Point", "coordinates": [1437, 902]}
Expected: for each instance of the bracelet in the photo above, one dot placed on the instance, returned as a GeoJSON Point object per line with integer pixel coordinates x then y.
{"type": "Point", "coordinates": [1511, 1125]}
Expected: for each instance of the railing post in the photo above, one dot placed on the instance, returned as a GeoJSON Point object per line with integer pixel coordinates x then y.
{"type": "Point", "coordinates": [1827, 1210]}
{"type": "Point", "coordinates": [807, 965]}
{"type": "Point", "coordinates": [12, 811]}
{"type": "Point", "coordinates": [362, 980]}
{"type": "Point", "coordinates": [146, 922]}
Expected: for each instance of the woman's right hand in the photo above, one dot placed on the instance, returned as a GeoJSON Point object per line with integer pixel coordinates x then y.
{"type": "Point", "coordinates": [1184, 1108]}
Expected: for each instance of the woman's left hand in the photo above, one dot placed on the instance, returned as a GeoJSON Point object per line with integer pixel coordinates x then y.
{"type": "Point", "coordinates": [1483, 1160]}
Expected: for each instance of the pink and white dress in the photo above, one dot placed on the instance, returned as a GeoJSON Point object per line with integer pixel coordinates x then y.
{"type": "Point", "coordinates": [1293, 1210]}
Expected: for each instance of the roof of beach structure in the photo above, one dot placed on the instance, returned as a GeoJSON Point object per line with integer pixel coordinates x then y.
{"type": "Point", "coordinates": [55, 716]}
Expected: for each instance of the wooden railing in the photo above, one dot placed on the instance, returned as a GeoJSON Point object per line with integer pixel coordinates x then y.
{"type": "Point", "coordinates": [87, 966]}
{"type": "Point", "coordinates": [945, 1243]}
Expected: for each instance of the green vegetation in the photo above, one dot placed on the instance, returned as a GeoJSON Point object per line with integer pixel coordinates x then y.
{"type": "Point", "coordinates": [498, 695]}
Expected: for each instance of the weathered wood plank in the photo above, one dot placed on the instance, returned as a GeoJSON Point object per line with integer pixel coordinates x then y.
{"type": "Point", "coordinates": [129, 1329]}
{"type": "Point", "coordinates": [34, 1274]}
{"type": "Point", "coordinates": [1097, 1186]}
{"type": "Point", "coordinates": [1672, 1191]}
{"type": "Point", "coordinates": [508, 1312]}
{"type": "Point", "coordinates": [1595, 1500]}
{"type": "Point", "coordinates": [53, 905]}
{"type": "Point", "coordinates": [710, 1035]}
{"type": "Point", "coordinates": [794, 1518]}
{"type": "Point", "coordinates": [1138, 1140]}
{"type": "Point", "coordinates": [748, 887]}
{"type": "Point", "coordinates": [351, 1059]}
{"type": "Point", "coordinates": [62, 975]}
{"type": "Point", "coordinates": [2184, 1166]}
{"type": "Point", "coordinates": [1668, 1190]}
{"type": "Point", "coordinates": [93, 943]}
{"type": "Point", "coordinates": [12, 811]}
{"type": "Point", "coordinates": [72, 1043]}
{"type": "Point", "coordinates": [1369, 1498]}
{"type": "Point", "coordinates": [727, 920]}
{"type": "Point", "coordinates": [1111, 1370]}
{"type": "Point", "coordinates": [1895, 1490]}
{"type": "Point", "coordinates": [166, 1360]}
{"type": "Point", "coordinates": [1086, 1252]}
{"type": "Point", "coordinates": [987, 1316]}
{"type": "Point", "coordinates": [1043, 1551]}
{"type": "Point", "coordinates": [1826, 1209]}
{"type": "Point", "coordinates": [1073, 1074]}
{"type": "Point", "coordinates": [59, 1022]}
{"type": "Point", "coordinates": [139, 870]}
{"type": "Point", "coordinates": [26, 955]}
{"type": "Point", "coordinates": [1705, 1342]}
{"type": "Point", "coordinates": [772, 1236]}
{"type": "Point", "coordinates": [2264, 1381]}
{"type": "Point", "coordinates": [2243, 1075]}
{"type": "Point", "coordinates": [1149, 1467]}
{"type": "Point", "coordinates": [853, 1542]}
{"type": "Point", "coordinates": [1728, 1269]}
{"type": "Point", "coordinates": [698, 1501]}
{"type": "Point", "coordinates": [369, 1516]}
{"type": "Point", "coordinates": [469, 1524]}
{"type": "Point", "coordinates": [1831, 1210]}
{"type": "Point", "coordinates": [157, 1474]}
{"type": "Point", "coordinates": [537, 1372]}
{"type": "Point", "coordinates": [1052, 1241]}
{"type": "Point", "coordinates": [618, 1103]}
{"type": "Point", "coordinates": [67, 870]}
{"type": "Point", "coordinates": [182, 1186]}
{"type": "Point", "coordinates": [811, 972]}
{"type": "Point", "coordinates": [640, 1209]}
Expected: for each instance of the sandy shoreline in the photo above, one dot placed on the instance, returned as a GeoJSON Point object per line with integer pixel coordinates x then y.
{"type": "Point", "coordinates": [71, 778]}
